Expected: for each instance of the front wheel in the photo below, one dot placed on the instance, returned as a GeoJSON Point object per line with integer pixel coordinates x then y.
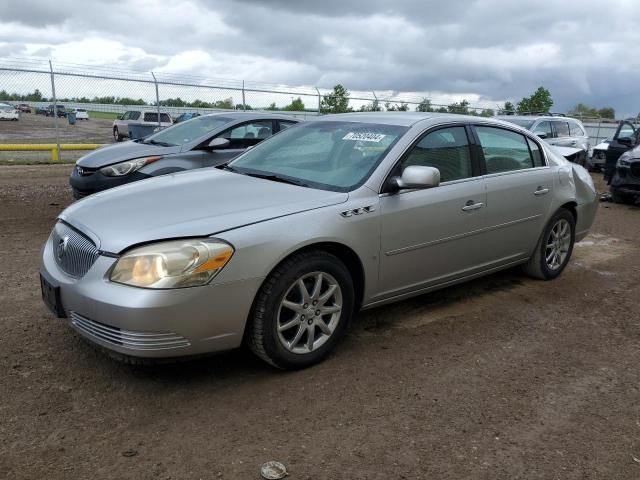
{"type": "Point", "coordinates": [301, 311]}
{"type": "Point", "coordinates": [554, 248]}
{"type": "Point", "coordinates": [116, 135]}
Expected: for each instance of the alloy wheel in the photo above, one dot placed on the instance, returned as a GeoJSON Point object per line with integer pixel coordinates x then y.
{"type": "Point", "coordinates": [309, 312]}
{"type": "Point", "coordinates": [558, 244]}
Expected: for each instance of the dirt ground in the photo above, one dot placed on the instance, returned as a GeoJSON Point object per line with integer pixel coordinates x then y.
{"type": "Point", "coordinates": [32, 128]}
{"type": "Point", "coordinates": [501, 378]}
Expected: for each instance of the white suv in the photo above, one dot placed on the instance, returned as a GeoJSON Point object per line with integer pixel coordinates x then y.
{"type": "Point", "coordinates": [121, 124]}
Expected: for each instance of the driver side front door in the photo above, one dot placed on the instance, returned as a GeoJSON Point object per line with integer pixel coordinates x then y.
{"type": "Point", "coordinates": [431, 236]}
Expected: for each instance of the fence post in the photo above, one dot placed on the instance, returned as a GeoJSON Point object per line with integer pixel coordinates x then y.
{"type": "Point", "coordinates": [244, 103]}
{"type": "Point", "coordinates": [319, 100]}
{"type": "Point", "coordinates": [157, 97]}
{"type": "Point", "coordinates": [375, 101]}
{"type": "Point", "coordinates": [55, 154]}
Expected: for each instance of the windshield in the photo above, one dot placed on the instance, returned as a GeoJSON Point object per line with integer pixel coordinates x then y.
{"type": "Point", "coordinates": [185, 132]}
{"type": "Point", "coordinates": [337, 156]}
{"type": "Point", "coordinates": [520, 122]}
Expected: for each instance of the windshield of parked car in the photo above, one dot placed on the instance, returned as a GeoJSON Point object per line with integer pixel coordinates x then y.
{"type": "Point", "coordinates": [521, 122]}
{"type": "Point", "coordinates": [328, 155]}
{"type": "Point", "coordinates": [185, 132]}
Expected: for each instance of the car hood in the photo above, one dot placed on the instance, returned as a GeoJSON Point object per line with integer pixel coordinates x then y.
{"type": "Point", "coordinates": [187, 204]}
{"type": "Point", "coordinates": [119, 152]}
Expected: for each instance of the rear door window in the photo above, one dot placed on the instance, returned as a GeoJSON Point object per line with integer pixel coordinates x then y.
{"type": "Point", "coordinates": [562, 129]}
{"type": "Point", "coordinates": [504, 150]}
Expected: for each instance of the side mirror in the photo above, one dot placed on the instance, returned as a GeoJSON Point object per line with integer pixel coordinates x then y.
{"type": "Point", "coordinates": [540, 134]}
{"type": "Point", "coordinates": [626, 141]}
{"type": "Point", "coordinates": [418, 177]}
{"type": "Point", "coordinates": [219, 143]}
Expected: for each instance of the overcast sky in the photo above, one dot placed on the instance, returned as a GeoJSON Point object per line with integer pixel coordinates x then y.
{"type": "Point", "coordinates": [487, 51]}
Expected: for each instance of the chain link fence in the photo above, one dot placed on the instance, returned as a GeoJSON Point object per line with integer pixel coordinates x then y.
{"type": "Point", "coordinates": [46, 92]}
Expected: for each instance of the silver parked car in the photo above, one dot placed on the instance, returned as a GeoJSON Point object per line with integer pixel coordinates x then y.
{"type": "Point", "coordinates": [557, 131]}
{"type": "Point", "coordinates": [282, 246]}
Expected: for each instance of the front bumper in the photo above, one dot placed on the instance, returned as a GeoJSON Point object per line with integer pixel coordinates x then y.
{"type": "Point", "coordinates": [626, 180]}
{"type": "Point", "coordinates": [151, 323]}
{"type": "Point", "coordinates": [84, 185]}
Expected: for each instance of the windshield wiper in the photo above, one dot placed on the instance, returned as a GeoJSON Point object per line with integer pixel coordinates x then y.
{"type": "Point", "coordinates": [276, 178]}
{"type": "Point", "coordinates": [161, 144]}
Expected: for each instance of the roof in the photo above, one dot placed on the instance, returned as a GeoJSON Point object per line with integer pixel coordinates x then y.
{"type": "Point", "coordinates": [239, 114]}
{"type": "Point", "coordinates": [533, 118]}
{"type": "Point", "coordinates": [405, 119]}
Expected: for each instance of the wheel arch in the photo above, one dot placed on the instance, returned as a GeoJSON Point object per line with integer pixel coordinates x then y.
{"type": "Point", "coordinates": [572, 206]}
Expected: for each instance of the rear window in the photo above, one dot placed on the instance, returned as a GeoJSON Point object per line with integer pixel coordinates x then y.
{"type": "Point", "coordinates": [153, 117]}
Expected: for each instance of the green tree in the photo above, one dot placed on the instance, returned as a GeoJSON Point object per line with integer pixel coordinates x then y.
{"type": "Point", "coordinates": [374, 106]}
{"type": "Point", "coordinates": [226, 104]}
{"type": "Point", "coordinates": [487, 112]}
{"type": "Point", "coordinates": [607, 112]}
{"type": "Point", "coordinates": [336, 102]}
{"type": "Point", "coordinates": [272, 107]}
{"type": "Point", "coordinates": [296, 105]}
{"type": "Point", "coordinates": [508, 109]}
{"type": "Point", "coordinates": [425, 106]}
{"type": "Point", "coordinates": [442, 110]}
{"type": "Point", "coordinates": [243, 107]}
{"type": "Point", "coordinates": [539, 102]}
{"type": "Point", "coordinates": [461, 108]}
{"type": "Point", "coordinates": [402, 107]}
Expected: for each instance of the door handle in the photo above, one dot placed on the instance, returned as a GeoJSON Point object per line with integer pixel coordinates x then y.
{"type": "Point", "coordinates": [470, 205]}
{"type": "Point", "coordinates": [541, 191]}
{"type": "Point", "coordinates": [573, 142]}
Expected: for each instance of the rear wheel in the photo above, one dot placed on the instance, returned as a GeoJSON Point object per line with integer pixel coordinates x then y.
{"type": "Point", "coordinates": [554, 248]}
{"type": "Point", "coordinates": [301, 311]}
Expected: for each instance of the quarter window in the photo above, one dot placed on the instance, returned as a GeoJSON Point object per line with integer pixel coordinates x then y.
{"type": "Point", "coordinates": [447, 150]}
{"type": "Point", "coordinates": [504, 150]}
{"type": "Point", "coordinates": [562, 129]}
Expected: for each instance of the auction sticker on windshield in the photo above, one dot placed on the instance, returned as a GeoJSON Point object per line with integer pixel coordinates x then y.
{"type": "Point", "coordinates": [364, 136]}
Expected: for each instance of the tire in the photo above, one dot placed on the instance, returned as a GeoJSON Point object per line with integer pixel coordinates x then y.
{"type": "Point", "coordinates": [538, 265]}
{"type": "Point", "coordinates": [116, 135]}
{"type": "Point", "coordinates": [288, 347]}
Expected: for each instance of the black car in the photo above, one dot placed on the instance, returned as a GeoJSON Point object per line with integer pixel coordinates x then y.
{"type": "Point", "coordinates": [622, 167]}
{"type": "Point", "coordinates": [60, 110]}
{"type": "Point", "coordinates": [204, 141]}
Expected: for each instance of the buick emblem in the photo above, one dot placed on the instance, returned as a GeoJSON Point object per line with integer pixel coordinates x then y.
{"type": "Point", "coordinates": [62, 247]}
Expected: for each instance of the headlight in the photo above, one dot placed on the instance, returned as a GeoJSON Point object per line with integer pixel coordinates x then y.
{"type": "Point", "coordinates": [172, 264]}
{"type": "Point", "coordinates": [623, 163]}
{"type": "Point", "coordinates": [130, 166]}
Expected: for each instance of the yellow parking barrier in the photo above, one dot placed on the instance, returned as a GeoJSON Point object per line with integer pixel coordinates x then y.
{"type": "Point", "coordinates": [43, 147]}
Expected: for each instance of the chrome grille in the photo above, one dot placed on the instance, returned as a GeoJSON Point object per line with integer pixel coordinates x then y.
{"type": "Point", "coordinates": [74, 253]}
{"type": "Point", "coordinates": [127, 338]}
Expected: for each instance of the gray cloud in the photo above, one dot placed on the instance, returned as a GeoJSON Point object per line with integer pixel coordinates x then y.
{"type": "Point", "coordinates": [495, 49]}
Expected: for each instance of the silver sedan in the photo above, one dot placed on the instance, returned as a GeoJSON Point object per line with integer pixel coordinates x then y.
{"type": "Point", "coordinates": [280, 248]}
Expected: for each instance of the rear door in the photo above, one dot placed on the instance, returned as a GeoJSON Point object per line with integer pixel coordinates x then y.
{"type": "Point", "coordinates": [240, 138]}
{"type": "Point", "coordinates": [624, 139]}
{"type": "Point", "coordinates": [519, 192]}
{"type": "Point", "coordinates": [561, 133]}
